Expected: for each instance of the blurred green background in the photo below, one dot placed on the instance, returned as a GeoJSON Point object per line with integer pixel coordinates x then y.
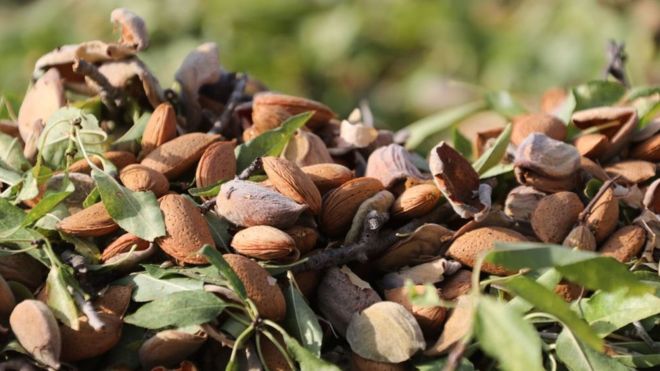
{"type": "Point", "coordinates": [409, 58]}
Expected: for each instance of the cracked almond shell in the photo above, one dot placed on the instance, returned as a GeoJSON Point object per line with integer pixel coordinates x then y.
{"type": "Point", "coordinates": [416, 201]}
{"type": "Point", "coordinates": [217, 163]}
{"type": "Point", "coordinates": [292, 182]}
{"type": "Point", "coordinates": [467, 248]}
{"type": "Point", "coordinates": [180, 154]}
{"type": "Point", "coordinates": [554, 216]}
{"type": "Point", "coordinates": [625, 244]}
{"type": "Point", "coordinates": [93, 221]}
{"type": "Point", "coordinates": [537, 123]}
{"type": "Point", "coordinates": [35, 327]}
{"type": "Point", "coordinates": [160, 128]}
{"type": "Point", "coordinates": [187, 230]}
{"type": "Point", "coordinates": [270, 110]}
{"type": "Point", "coordinates": [604, 216]}
{"type": "Point", "coordinates": [260, 286]}
{"type": "Point", "coordinates": [591, 145]}
{"type": "Point", "coordinates": [341, 204]}
{"type": "Point", "coordinates": [328, 176]}
{"type": "Point", "coordinates": [86, 342]}
{"type": "Point", "coordinates": [41, 100]}
{"type": "Point", "coordinates": [264, 242]}
{"type": "Point", "coordinates": [120, 159]}
{"type": "Point", "coordinates": [580, 238]}
{"type": "Point", "coordinates": [140, 178]}
{"type": "Point", "coordinates": [648, 150]}
{"type": "Point", "coordinates": [632, 171]}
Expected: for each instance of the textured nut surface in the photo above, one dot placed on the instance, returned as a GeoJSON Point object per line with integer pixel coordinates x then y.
{"type": "Point", "coordinates": [248, 204]}
{"type": "Point", "coordinates": [604, 216]}
{"type": "Point", "coordinates": [86, 342]}
{"type": "Point", "coordinates": [169, 347]}
{"type": "Point", "coordinates": [123, 244]}
{"type": "Point", "coordinates": [340, 205]}
{"type": "Point", "coordinates": [93, 221]}
{"type": "Point", "coordinates": [263, 242]}
{"type": "Point", "coordinates": [260, 286]}
{"type": "Point", "coordinates": [548, 157]}
{"type": "Point", "coordinates": [416, 201]}
{"type": "Point", "coordinates": [537, 123]}
{"type": "Point", "coordinates": [580, 238]}
{"type": "Point", "coordinates": [120, 159]}
{"type": "Point", "coordinates": [269, 110]}
{"type": "Point", "coordinates": [140, 178]}
{"type": "Point", "coordinates": [625, 244]}
{"type": "Point", "coordinates": [36, 329]}
{"type": "Point", "coordinates": [187, 230]}
{"type": "Point", "coordinates": [292, 182]}
{"type": "Point", "coordinates": [328, 176]}
{"type": "Point", "coordinates": [160, 128]}
{"type": "Point", "coordinates": [217, 163]}
{"type": "Point", "coordinates": [554, 216]}
{"type": "Point", "coordinates": [175, 157]}
{"type": "Point", "coordinates": [467, 248]}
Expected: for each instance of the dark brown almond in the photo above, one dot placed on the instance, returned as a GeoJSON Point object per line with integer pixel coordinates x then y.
{"type": "Point", "coordinates": [140, 178]}
{"type": "Point", "coordinates": [537, 123]}
{"type": "Point", "coordinates": [305, 238]}
{"type": "Point", "coordinates": [648, 150]}
{"type": "Point", "coordinates": [554, 216]}
{"type": "Point", "coordinates": [180, 154]}
{"type": "Point", "coordinates": [123, 244]}
{"type": "Point", "coordinates": [546, 184]}
{"type": "Point", "coordinates": [120, 159]}
{"type": "Point", "coordinates": [272, 355]}
{"type": "Point", "coordinates": [363, 364]}
{"type": "Point", "coordinates": [217, 163]}
{"type": "Point", "coordinates": [625, 244]}
{"type": "Point", "coordinates": [341, 204]}
{"type": "Point", "coordinates": [328, 176]}
{"type": "Point", "coordinates": [93, 221]}
{"type": "Point", "coordinates": [160, 128]}
{"type": "Point", "coordinates": [114, 300]}
{"type": "Point", "coordinates": [86, 342]}
{"type": "Point", "coordinates": [591, 145]}
{"type": "Point", "coordinates": [468, 247]}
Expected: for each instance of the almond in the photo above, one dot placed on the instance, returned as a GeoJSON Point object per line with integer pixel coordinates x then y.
{"type": "Point", "coordinates": [468, 247]}
{"type": "Point", "coordinates": [416, 201]}
{"type": "Point", "coordinates": [547, 157]}
{"type": "Point", "coordinates": [292, 182]}
{"type": "Point", "coordinates": [23, 269]}
{"type": "Point", "coordinates": [123, 244]}
{"type": "Point", "coordinates": [328, 176]}
{"type": "Point", "coordinates": [160, 128]}
{"type": "Point", "coordinates": [250, 133]}
{"type": "Point", "coordinates": [342, 203]}
{"type": "Point", "coordinates": [306, 148]}
{"type": "Point", "coordinates": [114, 300]}
{"type": "Point", "coordinates": [120, 159]}
{"type": "Point", "coordinates": [648, 150]}
{"type": "Point", "coordinates": [272, 356]}
{"type": "Point", "coordinates": [632, 172]}
{"type": "Point", "coordinates": [35, 327]}
{"type": "Point", "coordinates": [591, 145]}
{"type": "Point", "coordinates": [521, 202]}
{"type": "Point", "coordinates": [485, 139]}
{"type": "Point", "coordinates": [363, 364]}
{"type": "Point", "coordinates": [247, 204]}
{"type": "Point", "coordinates": [169, 347]}
{"type": "Point", "coordinates": [217, 163]}
{"type": "Point", "coordinates": [580, 238]}
{"type": "Point", "coordinates": [554, 216]}
{"type": "Point", "coordinates": [140, 178]}
{"type": "Point", "coordinates": [7, 299]}
{"type": "Point", "coordinates": [616, 123]}
{"type": "Point", "coordinates": [264, 243]}
{"type": "Point", "coordinates": [187, 230]}
{"type": "Point", "coordinates": [175, 157]}
{"type": "Point", "coordinates": [260, 286]}
{"type": "Point", "coordinates": [430, 319]}
{"type": "Point", "coordinates": [593, 169]}
{"type": "Point", "coordinates": [568, 291]}
{"type": "Point", "coordinates": [86, 342]}
{"type": "Point", "coordinates": [456, 285]}
{"type": "Point", "coordinates": [552, 99]}
{"type": "Point", "coordinates": [458, 325]}
{"type": "Point", "coordinates": [544, 123]}
{"type": "Point", "coordinates": [625, 244]}
{"type": "Point", "coordinates": [305, 238]}
{"type": "Point", "coordinates": [546, 184]}
{"type": "Point", "coordinates": [93, 221]}
{"type": "Point", "coordinates": [391, 164]}
{"type": "Point", "coordinates": [269, 110]}
{"type": "Point", "coordinates": [41, 100]}
{"type": "Point", "coordinates": [604, 216]}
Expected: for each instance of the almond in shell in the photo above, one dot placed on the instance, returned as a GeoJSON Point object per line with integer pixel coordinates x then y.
{"type": "Point", "coordinates": [537, 123]}
{"type": "Point", "coordinates": [217, 163]}
{"type": "Point", "coordinates": [269, 110]}
{"type": "Point", "coordinates": [391, 164]}
{"type": "Point", "coordinates": [35, 327]}
{"type": "Point", "coordinates": [625, 244]}
{"type": "Point", "coordinates": [430, 319]}
{"type": "Point", "coordinates": [187, 230]}
{"type": "Point", "coordinates": [456, 285]}
{"type": "Point", "coordinates": [341, 204]}
{"type": "Point", "coordinates": [307, 148]}
{"type": "Point", "coordinates": [604, 216]}
{"type": "Point", "coordinates": [328, 176]}
{"type": "Point", "coordinates": [123, 244]}
{"type": "Point", "coordinates": [648, 150]}
{"type": "Point", "coordinates": [265, 243]}
{"type": "Point", "coordinates": [591, 145]}
{"type": "Point", "coordinates": [169, 347]}
{"type": "Point", "coordinates": [580, 238]}
{"type": "Point", "coordinates": [140, 178]}
{"type": "Point", "coordinates": [86, 342]}
{"type": "Point", "coordinates": [175, 157]}
{"type": "Point", "coordinates": [633, 171]}
{"type": "Point", "coordinates": [93, 221]}
{"type": "Point", "coordinates": [160, 128]}
{"type": "Point", "coordinates": [305, 237]}
{"type": "Point", "coordinates": [554, 216]}
{"type": "Point", "coordinates": [41, 100]}
{"type": "Point", "coordinates": [7, 299]}
{"type": "Point", "coordinates": [468, 247]}
{"type": "Point", "coordinates": [292, 182]}
{"type": "Point", "coordinates": [416, 201]}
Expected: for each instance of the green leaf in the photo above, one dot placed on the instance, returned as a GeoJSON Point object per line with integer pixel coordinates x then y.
{"type": "Point", "coordinates": [497, 170]}
{"type": "Point", "coordinates": [461, 143]}
{"type": "Point", "coordinates": [48, 202]}
{"type": "Point", "coordinates": [306, 359]}
{"type": "Point", "coordinates": [641, 92]}
{"type": "Point", "coordinates": [131, 139]}
{"type": "Point", "coordinates": [135, 212]}
{"type": "Point", "coordinates": [11, 153]}
{"type": "Point", "coordinates": [547, 301]}
{"type": "Point", "coordinates": [9, 176]}
{"type": "Point", "coordinates": [219, 230]}
{"type": "Point", "coordinates": [592, 187]}
{"type": "Point", "coordinates": [497, 325]}
{"type": "Point", "coordinates": [57, 132]}
{"type": "Point", "coordinates": [439, 364]}
{"type": "Point", "coordinates": [604, 273]}
{"type": "Point", "coordinates": [10, 217]}
{"type": "Point", "coordinates": [178, 309]}
{"type": "Point", "coordinates": [216, 259]}
{"type": "Point", "coordinates": [609, 311]}
{"type": "Point", "coordinates": [639, 360]}
{"type": "Point", "coordinates": [206, 274]}
{"type": "Point", "coordinates": [597, 93]}
{"type": "Point", "coordinates": [503, 103]}
{"type": "Point", "coordinates": [93, 197]}
{"type": "Point", "coordinates": [428, 298]}
{"type": "Point", "coordinates": [59, 297]}
{"type": "Point", "coordinates": [548, 279]}
{"type": "Point", "coordinates": [301, 321]}
{"type": "Point", "coordinates": [84, 247]}
{"type": "Point", "coordinates": [270, 143]}
{"type": "Point", "coordinates": [208, 191]}
{"type": "Point", "coordinates": [494, 154]}
{"type": "Point", "coordinates": [422, 129]}
{"type": "Point", "coordinates": [579, 357]}
{"type": "Point", "coordinates": [148, 288]}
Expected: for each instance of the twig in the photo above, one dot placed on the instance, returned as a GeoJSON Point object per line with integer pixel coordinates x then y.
{"type": "Point", "coordinates": [86, 307]}
{"type": "Point", "coordinates": [220, 125]}
{"type": "Point", "coordinates": [616, 65]}
{"type": "Point", "coordinates": [109, 94]}
{"type": "Point", "coordinates": [218, 336]}
{"type": "Point", "coordinates": [587, 210]}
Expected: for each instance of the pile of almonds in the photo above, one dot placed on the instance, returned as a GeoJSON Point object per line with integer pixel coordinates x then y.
{"type": "Point", "coordinates": [362, 223]}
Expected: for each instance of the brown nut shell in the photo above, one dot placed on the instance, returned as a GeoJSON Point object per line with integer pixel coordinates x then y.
{"type": "Point", "coordinates": [160, 128]}
{"type": "Point", "coordinates": [217, 163]}
{"type": "Point", "coordinates": [260, 286]}
{"type": "Point", "coordinates": [305, 238]}
{"type": "Point", "coordinates": [625, 244]}
{"type": "Point", "coordinates": [341, 204]}
{"type": "Point", "coordinates": [416, 201]}
{"type": "Point", "coordinates": [467, 248]}
{"type": "Point", "coordinates": [272, 356]}
{"type": "Point", "coordinates": [591, 145]}
{"type": "Point", "coordinates": [456, 285]}
{"type": "Point", "coordinates": [169, 348]}
{"type": "Point", "coordinates": [180, 154]}
{"type": "Point", "coordinates": [363, 364]}
{"type": "Point", "coordinates": [633, 171]}
{"type": "Point", "coordinates": [648, 150]}
{"type": "Point", "coordinates": [430, 319]}
{"type": "Point", "coordinates": [604, 216]}
{"type": "Point", "coordinates": [140, 178]}
{"type": "Point", "coordinates": [123, 244]}
{"type": "Point", "coordinates": [86, 342]}
{"type": "Point", "coordinates": [35, 327]}
{"type": "Point", "coordinates": [120, 159]}
{"type": "Point", "coordinates": [187, 230]}
{"type": "Point", "coordinates": [23, 269]}
{"type": "Point", "coordinates": [264, 242]}
{"type": "Point", "coordinates": [7, 299]}
{"type": "Point", "coordinates": [555, 216]}
{"type": "Point", "coordinates": [328, 176]}
{"type": "Point", "coordinates": [41, 100]}
{"type": "Point", "coordinates": [292, 182]}
{"type": "Point", "coordinates": [270, 110]}
{"type": "Point", "coordinates": [580, 238]}
{"type": "Point", "coordinates": [537, 123]}
{"type": "Point", "coordinates": [93, 221]}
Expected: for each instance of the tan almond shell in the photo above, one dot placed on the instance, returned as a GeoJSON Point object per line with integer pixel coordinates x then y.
{"type": "Point", "coordinates": [86, 342]}
{"type": "Point", "coordinates": [648, 150]}
{"type": "Point", "coordinates": [593, 169]}
{"type": "Point", "coordinates": [305, 237]}
{"type": "Point", "coordinates": [604, 216]}
{"type": "Point", "coordinates": [41, 100]}
{"type": "Point", "coordinates": [36, 329]}
{"type": "Point", "coordinates": [430, 319]}
{"type": "Point", "coordinates": [416, 201]}
{"type": "Point", "coordinates": [328, 176]}
{"type": "Point", "coordinates": [546, 184]}
{"type": "Point", "coordinates": [554, 216]}
{"type": "Point", "coordinates": [180, 154]}
{"type": "Point", "coordinates": [292, 182]}
{"type": "Point", "coordinates": [187, 230]}
{"type": "Point", "coordinates": [269, 110]}
{"type": "Point", "coordinates": [217, 163]}
{"type": "Point", "coordinates": [93, 221]}
{"type": "Point", "coordinates": [580, 238]}
{"type": "Point", "coordinates": [169, 348]}
{"type": "Point", "coordinates": [633, 171]}
{"type": "Point", "coordinates": [140, 178]}
{"type": "Point", "coordinates": [123, 244]}
{"type": "Point", "coordinates": [456, 285]}
{"type": "Point", "coordinates": [625, 244]}
{"type": "Point", "coordinates": [591, 145]}
{"type": "Point", "coordinates": [467, 248]}
{"type": "Point", "coordinates": [552, 99]}
{"type": "Point", "coordinates": [120, 159]}
{"type": "Point", "coordinates": [341, 204]}
{"type": "Point", "coordinates": [260, 286]}
{"type": "Point", "coordinates": [537, 123]}
{"type": "Point", "coordinates": [306, 148]}
{"type": "Point", "coordinates": [160, 128]}
{"type": "Point", "coordinates": [363, 364]}
{"type": "Point", "coordinates": [264, 242]}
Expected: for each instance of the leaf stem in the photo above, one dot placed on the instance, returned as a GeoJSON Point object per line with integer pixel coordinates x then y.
{"type": "Point", "coordinates": [231, 365]}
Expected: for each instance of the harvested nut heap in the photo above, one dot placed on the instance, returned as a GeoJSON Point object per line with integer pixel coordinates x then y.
{"type": "Point", "coordinates": [216, 224]}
